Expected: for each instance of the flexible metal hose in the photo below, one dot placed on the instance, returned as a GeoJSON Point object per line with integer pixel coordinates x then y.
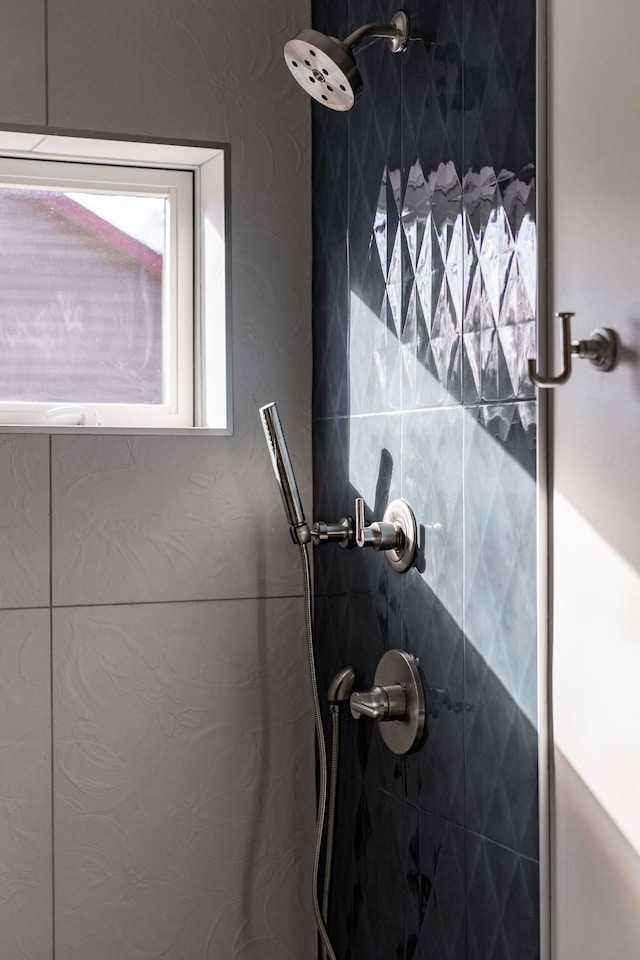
{"type": "Point", "coordinates": [322, 750]}
{"type": "Point", "coordinates": [331, 813]}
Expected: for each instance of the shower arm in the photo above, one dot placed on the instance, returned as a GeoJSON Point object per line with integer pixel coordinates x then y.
{"type": "Point", "coordinates": [395, 32]}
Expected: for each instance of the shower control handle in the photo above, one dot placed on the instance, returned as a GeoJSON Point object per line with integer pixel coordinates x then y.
{"type": "Point", "coordinates": [395, 701]}
{"type": "Point", "coordinates": [396, 533]}
{"type": "Point", "coordinates": [381, 536]}
{"type": "Point", "coordinates": [380, 703]}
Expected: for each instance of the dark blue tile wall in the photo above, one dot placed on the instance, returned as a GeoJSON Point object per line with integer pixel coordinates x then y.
{"type": "Point", "coordinates": [424, 293]}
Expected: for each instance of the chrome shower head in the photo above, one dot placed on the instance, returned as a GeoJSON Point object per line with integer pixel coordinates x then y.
{"type": "Point", "coordinates": [285, 476]}
{"type": "Point", "coordinates": [326, 68]}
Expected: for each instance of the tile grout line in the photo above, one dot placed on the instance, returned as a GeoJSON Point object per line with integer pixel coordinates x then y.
{"type": "Point", "coordinates": [46, 63]}
{"type": "Point", "coordinates": [150, 603]}
{"type": "Point", "coordinates": [53, 858]}
{"type": "Point", "coordinates": [464, 497]}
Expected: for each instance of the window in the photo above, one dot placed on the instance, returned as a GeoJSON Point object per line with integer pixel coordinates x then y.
{"type": "Point", "coordinates": [113, 274]}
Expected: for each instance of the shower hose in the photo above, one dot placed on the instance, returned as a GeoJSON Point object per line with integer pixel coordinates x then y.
{"type": "Point", "coordinates": [328, 952]}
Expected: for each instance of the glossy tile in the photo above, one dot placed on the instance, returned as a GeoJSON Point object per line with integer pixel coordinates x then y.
{"type": "Point", "coordinates": [499, 84]}
{"type": "Point", "coordinates": [25, 785]}
{"type": "Point", "coordinates": [441, 276]}
{"type": "Point", "coordinates": [502, 903]}
{"type": "Point", "coordinates": [435, 878]}
{"type": "Point", "coordinates": [432, 118]}
{"type": "Point", "coordinates": [500, 625]}
{"type": "Point", "coordinates": [378, 915]}
{"type": "Point", "coordinates": [330, 264]}
{"type": "Point", "coordinates": [24, 520]}
{"type": "Point", "coordinates": [500, 258]}
{"type": "Point", "coordinates": [434, 774]}
{"type": "Point", "coordinates": [183, 778]}
{"type": "Point", "coordinates": [374, 203]}
{"type": "Point", "coordinates": [433, 274]}
{"type": "Point", "coordinates": [432, 483]}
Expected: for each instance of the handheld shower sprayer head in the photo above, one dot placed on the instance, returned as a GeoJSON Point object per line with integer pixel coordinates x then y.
{"type": "Point", "coordinates": [326, 68]}
{"type": "Point", "coordinates": [285, 476]}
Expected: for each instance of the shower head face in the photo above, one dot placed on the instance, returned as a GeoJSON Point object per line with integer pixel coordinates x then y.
{"type": "Point", "coordinates": [325, 68]}
{"type": "Point", "coordinates": [283, 469]}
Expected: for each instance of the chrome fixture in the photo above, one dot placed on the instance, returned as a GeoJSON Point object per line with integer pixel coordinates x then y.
{"type": "Point", "coordinates": [601, 349]}
{"type": "Point", "coordinates": [338, 694]}
{"type": "Point", "coordinates": [283, 469]}
{"type": "Point", "coordinates": [396, 533]}
{"type": "Point", "coordinates": [396, 701]}
{"type": "Point", "coordinates": [326, 68]}
{"type": "Point", "coordinates": [341, 688]}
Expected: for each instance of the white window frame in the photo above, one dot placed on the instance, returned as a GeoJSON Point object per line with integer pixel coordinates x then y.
{"type": "Point", "coordinates": [197, 358]}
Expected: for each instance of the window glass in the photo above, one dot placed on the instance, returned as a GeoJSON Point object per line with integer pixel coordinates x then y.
{"type": "Point", "coordinates": [81, 316]}
{"type": "Point", "coordinates": [114, 274]}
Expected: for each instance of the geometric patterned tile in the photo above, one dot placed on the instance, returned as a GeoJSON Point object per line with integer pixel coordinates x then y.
{"type": "Point", "coordinates": [435, 910]}
{"type": "Point", "coordinates": [377, 908]}
{"type": "Point", "coordinates": [429, 249]}
{"type": "Point", "coordinates": [499, 546]}
{"type": "Point", "coordinates": [500, 285]}
{"type": "Point", "coordinates": [500, 625]}
{"type": "Point", "coordinates": [502, 903]}
{"type": "Point", "coordinates": [432, 482]}
{"type": "Point", "coordinates": [424, 295]}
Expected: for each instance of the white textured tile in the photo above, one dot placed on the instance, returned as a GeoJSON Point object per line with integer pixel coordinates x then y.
{"type": "Point", "coordinates": [167, 518]}
{"type": "Point", "coordinates": [25, 785]}
{"type": "Point", "coordinates": [184, 781]}
{"type": "Point", "coordinates": [22, 62]}
{"type": "Point", "coordinates": [24, 520]}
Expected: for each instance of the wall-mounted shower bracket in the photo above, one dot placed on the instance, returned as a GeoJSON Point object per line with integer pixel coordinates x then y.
{"type": "Point", "coordinates": [601, 349]}
{"type": "Point", "coordinates": [396, 701]}
{"type": "Point", "coordinates": [340, 532]}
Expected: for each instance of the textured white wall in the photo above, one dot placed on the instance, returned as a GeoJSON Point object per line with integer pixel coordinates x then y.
{"type": "Point", "coordinates": [595, 209]}
{"type": "Point", "coordinates": [161, 600]}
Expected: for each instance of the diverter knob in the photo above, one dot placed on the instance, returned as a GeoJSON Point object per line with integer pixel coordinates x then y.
{"type": "Point", "coordinates": [395, 701]}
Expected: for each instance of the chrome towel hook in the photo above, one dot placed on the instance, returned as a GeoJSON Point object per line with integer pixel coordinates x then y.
{"type": "Point", "coordinates": [601, 349]}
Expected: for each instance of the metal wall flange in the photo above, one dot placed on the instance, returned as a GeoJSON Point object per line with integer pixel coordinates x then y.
{"type": "Point", "coordinates": [401, 22]}
{"type": "Point", "coordinates": [400, 514]}
{"type": "Point", "coordinates": [601, 349]}
{"type": "Point", "coordinates": [396, 701]}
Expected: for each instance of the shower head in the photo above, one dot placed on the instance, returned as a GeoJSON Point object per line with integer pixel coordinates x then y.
{"type": "Point", "coordinates": [326, 68]}
{"type": "Point", "coordinates": [285, 476]}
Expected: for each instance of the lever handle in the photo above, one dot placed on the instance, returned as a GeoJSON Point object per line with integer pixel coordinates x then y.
{"type": "Point", "coordinates": [383, 535]}
{"type": "Point", "coordinates": [380, 703]}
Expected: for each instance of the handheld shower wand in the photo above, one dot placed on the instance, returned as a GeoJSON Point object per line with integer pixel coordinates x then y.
{"type": "Point", "coordinates": [283, 469]}
{"type": "Point", "coordinates": [396, 533]}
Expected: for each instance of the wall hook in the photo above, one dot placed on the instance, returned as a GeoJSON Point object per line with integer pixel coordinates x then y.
{"type": "Point", "coordinates": [601, 349]}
